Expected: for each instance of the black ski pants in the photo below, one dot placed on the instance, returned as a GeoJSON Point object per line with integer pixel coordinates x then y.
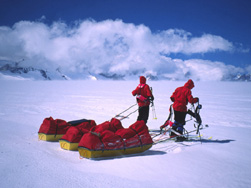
{"type": "Point", "coordinates": [143, 113]}
{"type": "Point", "coordinates": [179, 122]}
{"type": "Point", "coordinates": [180, 117]}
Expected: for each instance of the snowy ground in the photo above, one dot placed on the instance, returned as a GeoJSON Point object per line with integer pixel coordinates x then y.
{"type": "Point", "coordinates": [224, 161]}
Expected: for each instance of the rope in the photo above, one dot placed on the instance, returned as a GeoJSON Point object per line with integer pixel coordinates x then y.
{"type": "Point", "coordinates": [123, 117]}
{"type": "Point", "coordinates": [124, 144]}
{"type": "Point", "coordinates": [128, 114]}
{"type": "Point", "coordinates": [141, 144]}
{"type": "Point", "coordinates": [125, 110]}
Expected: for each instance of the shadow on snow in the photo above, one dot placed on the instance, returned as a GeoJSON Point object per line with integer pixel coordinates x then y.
{"type": "Point", "coordinates": [211, 141]}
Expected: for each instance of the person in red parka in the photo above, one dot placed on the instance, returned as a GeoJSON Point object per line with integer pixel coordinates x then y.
{"type": "Point", "coordinates": [180, 98]}
{"type": "Point", "coordinates": [144, 97]}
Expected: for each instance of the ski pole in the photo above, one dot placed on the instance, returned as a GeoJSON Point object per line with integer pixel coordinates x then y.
{"type": "Point", "coordinates": [154, 112]}
{"type": "Point", "coordinates": [153, 107]}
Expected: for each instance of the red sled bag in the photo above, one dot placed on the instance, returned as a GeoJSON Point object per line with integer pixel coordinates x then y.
{"type": "Point", "coordinates": [52, 130]}
{"type": "Point", "coordinates": [115, 125]}
{"type": "Point", "coordinates": [142, 132]}
{"type": "Point", "coordinates": [74, 134]}
{"type": "Point", "coordinates": [88, 124]}
{"type": "Point", "coordinates": [101, 127]}
{"type": "Point", "coordinates": [132, 142]}
{"type": "Point", "coordinates": [126, 133]}
{"type": "Point", "coordinates": [145, 138]}
{"type": "Point", "coordinates": [111, 141]}
{"type": "Point", "coordinates": [138, 126]}
{"type": "Point", "coordinates": [105, 143]}
{"type": "Point", "coordinates": [91, 141]}
{"type": "Point", "coordinates": [51, 126]}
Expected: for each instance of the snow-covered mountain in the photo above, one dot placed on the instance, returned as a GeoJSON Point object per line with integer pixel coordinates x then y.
{"type": "Point", "coordinates": [24, 71]}
{"type": "Point", "coordinates": [15, 70]}
{"type": "Point", "coordinates": [242, 77]}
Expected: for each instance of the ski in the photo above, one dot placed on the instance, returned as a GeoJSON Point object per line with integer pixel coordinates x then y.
{"type": "Point", "coordinates": [167, 129]}
{"type": "Point", "coordinates": [192, 138]}
{"type": "Point", "coordinates": [157, 132]}
{"type": "Point", "coordinates": [163, 136]}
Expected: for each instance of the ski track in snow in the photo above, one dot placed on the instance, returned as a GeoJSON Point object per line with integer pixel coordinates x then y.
{"type": "Point", "coordinates": [223, 161]}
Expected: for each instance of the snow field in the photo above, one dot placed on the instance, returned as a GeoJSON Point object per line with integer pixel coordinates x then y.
{"type": "Point", "coordinates": [223, 161]}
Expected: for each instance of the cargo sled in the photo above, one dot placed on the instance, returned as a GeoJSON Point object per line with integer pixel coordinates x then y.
{"type": "Point", "coordinates": [108, 141]}
{"type": "Point", "coordinates": [70, 140]}
{"type": "Point", "coordinates": [52, 130]}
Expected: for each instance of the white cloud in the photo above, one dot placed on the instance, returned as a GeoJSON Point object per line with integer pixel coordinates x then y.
{"type": "Point", "coordinates": [248, 68]}
{"type": "Point", "coordinates": [180, 41]}
{"type": "Point", "coordinates": [111, 46]}
{"type": "Point", "coordinates": [208, 70]}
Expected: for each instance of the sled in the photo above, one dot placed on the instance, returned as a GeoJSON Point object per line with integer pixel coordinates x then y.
{"type": "Point", "coordinates": [52, 129]}
{"type": "Point", "coordinates": [89, 154]}
{"type": "Point", "coordinates": [74, 134]}
{"type": "Point", "coordinates": [49, 137]}
{"type": "Point", "coordinates": [132, 140]}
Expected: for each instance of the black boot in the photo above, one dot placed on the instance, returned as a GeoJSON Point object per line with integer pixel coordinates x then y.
{"type": "Point", "coordinates": [180, 139]}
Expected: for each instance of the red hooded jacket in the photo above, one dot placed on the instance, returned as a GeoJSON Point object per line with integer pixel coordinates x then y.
{"type": "Point", "coordinates": [182, 95]}
{"type": "Point", "coordinates": [143, 90]}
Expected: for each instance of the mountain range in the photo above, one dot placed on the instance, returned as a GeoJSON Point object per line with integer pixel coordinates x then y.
{"type": "Point", "coordinates": [14, 70]}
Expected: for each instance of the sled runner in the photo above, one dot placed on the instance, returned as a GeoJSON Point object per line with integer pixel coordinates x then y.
{"type": "Point", "coordinates": [49, 137]}
{"type": "Point", "coordinates": [86, 153]}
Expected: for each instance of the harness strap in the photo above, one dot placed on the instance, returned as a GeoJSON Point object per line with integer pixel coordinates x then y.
{"type": "Point", "coordinates": [138, 136]}
{"type": "Point", "coordinates": [102, 143]}
{"type": "Point", "coordinates": [56, 131]}
{"type": "Point", "coordinates": [142, 98]}
{"type": "Point", "coordinates": [123, 142]}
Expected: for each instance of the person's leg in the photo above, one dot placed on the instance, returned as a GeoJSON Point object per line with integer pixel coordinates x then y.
{"type": "Point", "coordinates": [140, 114]}
{"type": "Point", "coordinates": [143, 113]}
{"type": "Point", "coordinates": [180, 117]}
{"type": "Point", "coordinates": [179, 122]}
{"type": "Point", "coordinates": [146, 113]}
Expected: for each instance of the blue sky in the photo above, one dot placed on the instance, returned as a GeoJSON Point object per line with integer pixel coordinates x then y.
{"type": "Point", "coordinates": [222, 19]}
